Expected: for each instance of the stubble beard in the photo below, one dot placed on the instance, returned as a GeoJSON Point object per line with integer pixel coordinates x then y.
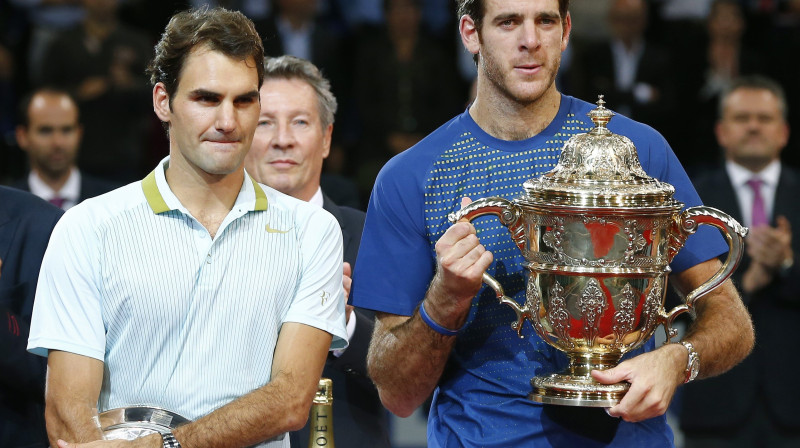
{"type": "Point", "coordinates": [494, 74]}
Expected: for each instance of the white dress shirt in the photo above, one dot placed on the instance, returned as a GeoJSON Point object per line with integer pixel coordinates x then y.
{"type": "Point", "coordinates": [739, 176]}
{"type": "Point", "coordinates": [70, 192]}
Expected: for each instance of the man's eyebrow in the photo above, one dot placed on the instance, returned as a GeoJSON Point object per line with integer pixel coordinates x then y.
{"type": "Point", "coordinates": [203, 92]}
{"type": "Point", "coordinates": [553, 15]}
{"type": "Point", "coordinates": [549, 15]}
{"type": "Point", "coordinates": [249, 95]}
{"type": "Point", "coordinates": [505, 16]}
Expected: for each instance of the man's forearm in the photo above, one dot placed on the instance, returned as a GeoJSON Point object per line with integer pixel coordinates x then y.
{"type": "Point", "coordinates": [71, 421]}
{"type": "Point", "coordinates": [73, 385]}
{"type": "Point", "coordinates": [723, 332]}
{"type": "Point", "coordinates": [280, 406]}
{"type": "Point", "coordinates": [74, 423]}
{"type": "Point", "coordinates": [406, 360]}
{"type": "Point", "coordinates": [407, 357]}
{"type": "Point", "coordinates": [258, 416]}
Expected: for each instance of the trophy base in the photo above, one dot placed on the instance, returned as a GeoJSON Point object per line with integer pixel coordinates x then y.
{"type": "Point", "coordinates": [576, 390]}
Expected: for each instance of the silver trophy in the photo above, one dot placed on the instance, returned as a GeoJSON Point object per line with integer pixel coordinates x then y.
{"type": "Point", "coordinates": [597, 234]}
{"type": "Point", "coordinates": [130, 423]}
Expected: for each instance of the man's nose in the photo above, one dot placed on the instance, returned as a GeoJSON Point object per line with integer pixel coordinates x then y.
{"type": "Point", "coordinates": [529, 38]}
{"type": "Point", "coordinates": [284, 137]}
{"type": "Point", "coordinates": [60, 139]}
{"type": "Point", "coordinates": [226, 117]}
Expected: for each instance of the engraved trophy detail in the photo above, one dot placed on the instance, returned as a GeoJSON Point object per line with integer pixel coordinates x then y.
{"type": "Point", "coordinates": [598, 234]}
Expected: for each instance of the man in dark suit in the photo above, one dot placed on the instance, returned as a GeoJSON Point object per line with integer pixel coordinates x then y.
{"type": "Point", "coordinates": [632, 72]}
{"type": "Point", "coordinates": [50, 132]}
{"type": "Point", "coordinates": [755, 403]}
{"type": "Point", "coordinates": [292, 140]}
{"type": "Point", "coordinates": [296, 28]}
{"type": "Point", "coordinates": [25, 226]}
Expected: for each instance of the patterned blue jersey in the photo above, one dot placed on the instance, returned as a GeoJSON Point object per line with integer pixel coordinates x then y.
{"type": "Point", "coordinates": [482, 399]}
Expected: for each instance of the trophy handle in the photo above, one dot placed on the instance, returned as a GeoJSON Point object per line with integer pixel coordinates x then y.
{"type": "Point", "coordinates": [510, 215]}
{"type": "Point", "coordinates": [686, 224]}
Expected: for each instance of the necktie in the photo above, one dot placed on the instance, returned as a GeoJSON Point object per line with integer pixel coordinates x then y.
{"type": "Point", "coordinates": [57, 201]}
{"type": "Point", "coordinates": [759, 217]}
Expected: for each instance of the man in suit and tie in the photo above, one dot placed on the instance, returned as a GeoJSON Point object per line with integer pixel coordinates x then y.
{"type": "Point", "coordinates": [629, 69]}
{"type": "Point", "coordinates": [292, 140]}
{"type": "Point", "coordinates": [25, 226]}
{"type": "Point", "coordinates": [50, 132]}
{"type": "Point", "coordinates": [755, 403]}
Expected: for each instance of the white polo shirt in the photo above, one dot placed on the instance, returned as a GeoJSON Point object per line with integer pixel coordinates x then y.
{"type": "Point", "coordinates": [182, 321]}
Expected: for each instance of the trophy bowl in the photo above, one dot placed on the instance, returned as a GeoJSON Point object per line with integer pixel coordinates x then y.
{"type": "Point", "coordinates": [598, 234]}
{"type": "Point", "coordinates": [130, 423]}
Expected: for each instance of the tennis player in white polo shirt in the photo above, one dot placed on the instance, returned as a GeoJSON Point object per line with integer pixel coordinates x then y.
{"type": "Point", "coordinates": [196, 289]}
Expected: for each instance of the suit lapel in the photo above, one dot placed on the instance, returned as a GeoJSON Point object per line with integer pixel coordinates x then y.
{"type": "Point", "coordinates": [726, 196]}
{"type": "Point", "coordinates": [333, 209]}
{"type": "Point", "coordinates": [784, 194]}
{"type": "Point", "coordinates": [7, 229]}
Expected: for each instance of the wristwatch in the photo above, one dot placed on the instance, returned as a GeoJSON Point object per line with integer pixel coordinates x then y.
{"type": "Point", "coordinates": [169, 440]}
{"type": "Point", "coordinates": [693, 365]}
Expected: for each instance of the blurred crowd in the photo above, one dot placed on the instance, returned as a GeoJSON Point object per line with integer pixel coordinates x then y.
{"type": "Point", "coordinates": [397, 68]}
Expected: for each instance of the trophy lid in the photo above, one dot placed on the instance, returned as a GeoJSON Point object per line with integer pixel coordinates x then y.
{"type": "Point", "coordinates": [599, 169]}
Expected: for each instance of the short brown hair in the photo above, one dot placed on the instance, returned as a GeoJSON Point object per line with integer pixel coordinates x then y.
{"type": "Point", "coordinates": [476, 10]}
{"type": "Point", "coordinates": [228, 32]}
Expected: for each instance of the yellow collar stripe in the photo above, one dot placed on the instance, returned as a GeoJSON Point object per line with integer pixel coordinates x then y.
{"type": "Point", "coordinates": [261, 197]}
{"type": "Point", "coordinates": [153, 196]}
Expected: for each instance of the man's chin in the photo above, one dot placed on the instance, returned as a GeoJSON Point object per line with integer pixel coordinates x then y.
{"type": "Point", "coordinates": [223, 168]}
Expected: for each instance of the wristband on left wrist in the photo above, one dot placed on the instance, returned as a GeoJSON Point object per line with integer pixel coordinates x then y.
{"type": "Point", "coordinates": [435, 326]}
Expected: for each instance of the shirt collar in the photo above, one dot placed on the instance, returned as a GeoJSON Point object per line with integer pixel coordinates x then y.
{"type": "Point", "coordinates": [70, 191]}
{"type": "Point", "coordinates": [740, 175]}
{"type": "Point", "coordinates": [284, 27]}
{"type": "Point", "coordinates": [161, 198]}
{"type": "Point", "coordinates": [635, 52]}
{"type": "Point", "coordinates": [317, 198]}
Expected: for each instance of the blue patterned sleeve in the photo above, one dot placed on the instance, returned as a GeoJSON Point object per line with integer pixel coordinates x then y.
{"type": "Point", "coordinates": [394, 264]}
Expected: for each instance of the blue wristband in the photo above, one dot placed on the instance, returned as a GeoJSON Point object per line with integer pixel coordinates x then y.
{"type": "Point", "coordinates": [434, 326]}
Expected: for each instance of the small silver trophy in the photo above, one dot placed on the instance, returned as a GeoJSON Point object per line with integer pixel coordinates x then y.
{"type": "Point", "coordinates": [130, 423]}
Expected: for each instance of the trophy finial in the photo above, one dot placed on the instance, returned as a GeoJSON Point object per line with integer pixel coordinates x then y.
{"type": "Point", "coordinates": [600, 116]}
